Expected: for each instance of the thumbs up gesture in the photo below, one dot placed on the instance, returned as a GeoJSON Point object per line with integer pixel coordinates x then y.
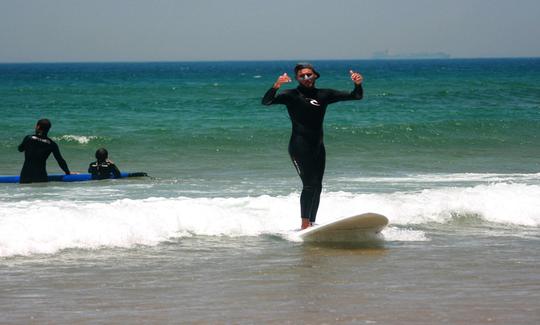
{"type": "Point", "coordinates": [281, 80]}
{"type": "Point", "coordinates": [356, 77]}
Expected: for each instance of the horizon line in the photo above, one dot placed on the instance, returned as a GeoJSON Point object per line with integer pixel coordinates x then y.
{"type": "Point", "coordinates": [271, 60]}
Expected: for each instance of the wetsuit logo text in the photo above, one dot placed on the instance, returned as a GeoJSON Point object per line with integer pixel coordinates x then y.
{"type": "Point", "coordinates": [41, 140]}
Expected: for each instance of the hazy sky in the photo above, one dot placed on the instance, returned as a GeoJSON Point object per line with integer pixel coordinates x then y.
{"type": "Point", "coordinates": [155, 30]}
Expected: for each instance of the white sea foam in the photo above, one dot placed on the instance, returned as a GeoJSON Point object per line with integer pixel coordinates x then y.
{"type": "Point", "coordinates": [453, 178]}
{"type": "Point", "coordinates": [82, 139]}
{"type": "Point", "coordinates": [29, 227]}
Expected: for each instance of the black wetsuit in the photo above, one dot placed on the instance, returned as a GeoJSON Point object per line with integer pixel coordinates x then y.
{"type": "Point", "coordinates": [37, 149]}
{"type": "Point", "coordinates": [103, 170]}
{"type": "Point", "coordinates": [307, 107]}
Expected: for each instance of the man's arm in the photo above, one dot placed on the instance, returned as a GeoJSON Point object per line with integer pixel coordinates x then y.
{"type": "Point", "coordinates": [356, 94]}
{"type": "Point", "coordinates": [61, 162]}
{"type": "Point", "coordinates": [22, 146]}
{"type": "Point", "coordinates": [115, 170]}
{"type": "Point", "coordinates": [92, 169]}
{"type": "Point", "coordinates": [270, 97]}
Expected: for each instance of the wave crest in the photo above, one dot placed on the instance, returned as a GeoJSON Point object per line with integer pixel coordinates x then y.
{"type": "Point", "coordinates": [82, 139]}
{"type": "Point", "coordinates": [29, 227]}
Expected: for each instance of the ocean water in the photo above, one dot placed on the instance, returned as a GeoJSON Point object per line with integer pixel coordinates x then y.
{"type": "Point", "coordinates": [448, 150]}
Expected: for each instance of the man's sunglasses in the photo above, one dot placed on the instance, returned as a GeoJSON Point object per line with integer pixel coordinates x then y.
{"type": "Point", "coordinates": [306, 76]}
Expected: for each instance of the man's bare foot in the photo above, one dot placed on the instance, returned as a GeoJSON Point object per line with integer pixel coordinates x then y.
{"type": "Point", "coordinates": [305, 223]}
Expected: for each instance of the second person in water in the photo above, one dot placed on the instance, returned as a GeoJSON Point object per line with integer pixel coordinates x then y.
{"type": "Point", "coordinates": [103, 168]}
{"type": "Point", "coordinates": [306, 105]}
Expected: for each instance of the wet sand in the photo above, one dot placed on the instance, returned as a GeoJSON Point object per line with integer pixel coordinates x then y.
{"type": "Point", "coordinates": [454, 278]}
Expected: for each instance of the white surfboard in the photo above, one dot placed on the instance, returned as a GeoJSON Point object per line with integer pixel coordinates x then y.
{"type": "Point", "coordinates": [356, 229]}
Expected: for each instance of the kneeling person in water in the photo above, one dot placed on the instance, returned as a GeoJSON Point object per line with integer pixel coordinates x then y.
{"type": "Point", "coordinates": [103, 168]}
{"type": "Point", "coordinates": [37, 149]}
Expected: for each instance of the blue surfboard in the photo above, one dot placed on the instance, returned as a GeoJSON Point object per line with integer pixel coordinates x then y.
{"type": "Point", "coordinates": [69, 178]}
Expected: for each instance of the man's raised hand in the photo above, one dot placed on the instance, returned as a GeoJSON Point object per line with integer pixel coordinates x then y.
{"type": "Point", "coordinates": [281, 80]}
{"type": "Point", "coordinates": [356, 77]}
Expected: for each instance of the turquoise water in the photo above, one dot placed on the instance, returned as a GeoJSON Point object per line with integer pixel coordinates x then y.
{"type": "Point", "coordinates": [431, 139]}
{"type": "Point", "coordinates": [447, 149]}
{"type": "Point", "coordinates": [417, 116]}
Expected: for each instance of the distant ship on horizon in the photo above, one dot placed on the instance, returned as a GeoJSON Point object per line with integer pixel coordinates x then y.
{"type": "Point", "coordinates": [423, 55]}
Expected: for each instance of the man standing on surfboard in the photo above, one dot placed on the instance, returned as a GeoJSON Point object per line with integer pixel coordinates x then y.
{"type": "Point", "coordinates": [306, 105]}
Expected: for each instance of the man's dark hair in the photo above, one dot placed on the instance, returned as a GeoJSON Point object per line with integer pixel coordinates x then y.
{"type": "Point", "coordinates": [102, 154]}
{"type": "Point", "coordinates": [44, 125]}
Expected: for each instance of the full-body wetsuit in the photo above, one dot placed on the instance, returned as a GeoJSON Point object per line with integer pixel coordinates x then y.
{"type": "Point", "coordinates": [103, 170]}
{"type": "Point", "coordinates": [37, 149]}
{"type": "Point", "coordinates": [307, 107]}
